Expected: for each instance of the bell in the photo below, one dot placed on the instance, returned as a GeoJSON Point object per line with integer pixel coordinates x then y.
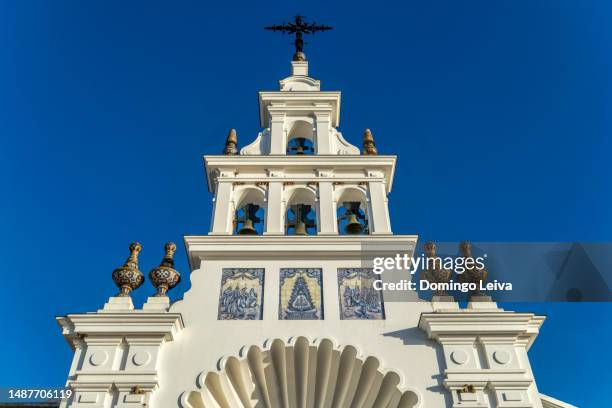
{"type": "Point", "coordinates": [247, 228]}
{"type": "Point", "coordinates": [353, 227]}
{"type": "Point", "coordinates": [300, 228]}
{"type": "Point", "coordinates": [300, 148]}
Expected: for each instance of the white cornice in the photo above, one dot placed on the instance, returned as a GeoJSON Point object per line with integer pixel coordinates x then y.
{"type": "Point", "coordinates": [386, 163]}
{"type": "Point", "coordinates": [299, 100]}
{"type": "Point", "coordinates": [550, 402]}
{"type": "Point", "coordinates": [292, 246]}
{"type": "Point", "coordinates": [161, 325]}
{"type": "Point", "coordinates": [451, 325]}
{"type": "Point", "coordinates": [295, 82]}
{"type": "Point", "coordinates": [144, 379]}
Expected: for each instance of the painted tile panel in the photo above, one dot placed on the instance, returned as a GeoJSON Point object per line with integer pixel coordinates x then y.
{"type": "Point", "coordinates": [241, 296]}
{"type": "Point", "coordinates": [356, 294]}
{"type": "Point", "coordinates": [301, 294]}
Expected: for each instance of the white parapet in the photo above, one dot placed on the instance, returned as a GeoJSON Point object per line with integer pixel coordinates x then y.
{"type": "Point", "coordinates": [485, 354]}
{"type": "Point", "coordinates": [115, 356]}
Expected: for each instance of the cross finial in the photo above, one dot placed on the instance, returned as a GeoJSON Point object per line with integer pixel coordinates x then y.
{"type": "Point", "coordinates": [298, 27]}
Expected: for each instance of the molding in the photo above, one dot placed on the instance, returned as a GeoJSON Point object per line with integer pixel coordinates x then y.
{"type": "Point", "coordinates": [448, 326]}
{"type": "Point", "coordinates": [299, 83]}
{"type": "Point", "coordinates": [144, 379]}
{"type": "Point", "coordinates": [516, 377]}
{"type": "Point", "coordinates": [550, 402]}
{"type": "Point", "coordinates": [290, 246]}
{"type": "Point", "coordinates": [302, 100]}
{"type": "Point", "coordinates": [384, 163]}
{"type": "Point", "coordinates": [163, 325]}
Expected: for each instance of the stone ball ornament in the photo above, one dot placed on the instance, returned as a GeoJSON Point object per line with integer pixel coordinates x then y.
{"type": "Point", "coordinates": [128, 277]}
{"type": "Point", "coordinates": [165, 277]}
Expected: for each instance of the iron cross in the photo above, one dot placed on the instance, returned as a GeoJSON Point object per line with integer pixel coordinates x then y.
{"type": "Point", "coordinates": [299, 27]}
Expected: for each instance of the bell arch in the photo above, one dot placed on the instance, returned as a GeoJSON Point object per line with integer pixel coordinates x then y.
{"type": "Point", "coordinates": [247, 202]}
{"type": "Point", "coordinates": [300, 137]}
{"type": "Point", "coordinates": [300, 373]}
{"type": "Point", "coordinates": [301, 207]}
{"type": "Point", "coordinates": [352, 200]}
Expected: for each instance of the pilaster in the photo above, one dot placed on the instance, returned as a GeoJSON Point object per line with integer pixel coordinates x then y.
{"type": "Point", "coordinates": [116, 354]}
{"type": "Point", "coordinates": [379, 212]}
{"type": "Point", "coordinates": [278, 137]}
{"type": "Point", "coordinates": [275, 209]}
{"type": "Point", "coordinates": [222, 211]}
{"type": "Point", "coordinates": [323, 127]}
{"type": "Point", "coordinates": [327, 209]}
{"type": "Point", "coordinates": [484, 355]}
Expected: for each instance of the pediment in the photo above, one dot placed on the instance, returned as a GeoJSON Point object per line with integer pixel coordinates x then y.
{"type": "Point", "coordinates": [299, 83]}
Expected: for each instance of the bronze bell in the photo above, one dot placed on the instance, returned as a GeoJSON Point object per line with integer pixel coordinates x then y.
{"type": "Point", "coordinates": [300, 147]}
{"type": "Point", "coordinates": [248, 219]}
{"type": "Point", "coordinates": [353, 227]}
{"type": "Point", "coordinates": [247, 228]}
{"type": "Point", "coordinates": [300, 228]}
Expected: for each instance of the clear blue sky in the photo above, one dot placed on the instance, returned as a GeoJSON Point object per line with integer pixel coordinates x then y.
{"type": "Point", "coordinates": [499, 112]}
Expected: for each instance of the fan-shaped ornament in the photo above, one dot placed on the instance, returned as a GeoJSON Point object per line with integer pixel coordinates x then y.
{"type": "Point", "coordinates": [300, 374]}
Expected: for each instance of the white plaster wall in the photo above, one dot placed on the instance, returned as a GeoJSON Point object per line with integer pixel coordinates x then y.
{"type": "Point", "coordinates": [396, 341]}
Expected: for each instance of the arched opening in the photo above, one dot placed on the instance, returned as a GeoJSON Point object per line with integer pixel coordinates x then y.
{"type": "Point", "coordinates": [301, 220]}
{"type": "Point", "coordinates": [299, 146]}
{"type": "Point", "coordinates": [280, 376]}
{"type": "Point", "coordinates": [301, 216]}
{"type": "Point", "coordinates": [352, 212]}
{"type": "Point", "coordinates": [300, 139]}
{"type": "Point", "coordinates": [249, 216]}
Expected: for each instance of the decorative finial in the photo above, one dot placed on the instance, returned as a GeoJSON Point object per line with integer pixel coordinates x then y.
{"type": "Point", "coordinates": [231, 144]}
{"type": "Point", "coordinates": [128, 277]}
{"type": "Point", "coordinates": [430, 249]}
{"type": "Point", "coordinates": [165, 277]}
{"type": "Point", "coordinates": [369, 147]}
{"type": "Point", "coordinates": [298, 27]}
{"type": "Point", "coordinates": [433, 271]}
{"type": "Point", "coordinates": [472, 274]}
{"type": "Point", "coordinates": [465, 248]}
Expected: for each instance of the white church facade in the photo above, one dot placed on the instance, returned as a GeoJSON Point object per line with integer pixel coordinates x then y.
{"type": "Point", "coordinates": [281, 311]}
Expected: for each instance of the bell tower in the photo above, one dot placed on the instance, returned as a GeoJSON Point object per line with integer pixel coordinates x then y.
{"type": "Point", "coordinates": [285, 308]}
{"type": "Point", "coordinates": [300, 175]}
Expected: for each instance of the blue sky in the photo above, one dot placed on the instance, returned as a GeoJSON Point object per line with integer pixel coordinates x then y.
{"type": "Point", "coordinates": [499, 112]}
